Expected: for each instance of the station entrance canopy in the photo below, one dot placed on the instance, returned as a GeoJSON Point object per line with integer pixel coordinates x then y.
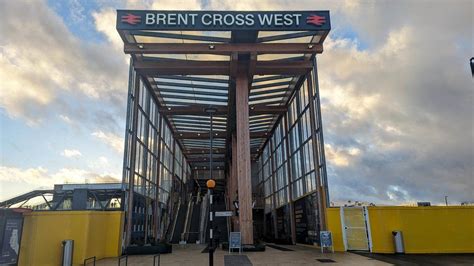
{"type": "Point", "coordinates": [258, 70]}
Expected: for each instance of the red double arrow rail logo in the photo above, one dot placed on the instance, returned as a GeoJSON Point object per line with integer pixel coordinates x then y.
{"type": "Point", "coordinates": [315, 20]}
{"type": "Point", "coordinates": [131, 19]}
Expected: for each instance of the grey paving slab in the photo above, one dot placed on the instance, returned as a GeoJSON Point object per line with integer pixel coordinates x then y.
{"type": "Point", "coordinates": [237, 260]}
{"type": "Point", "coordinates": [302, 255]}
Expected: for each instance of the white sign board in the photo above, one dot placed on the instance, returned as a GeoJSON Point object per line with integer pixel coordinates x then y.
{"type": "Point", "coordinates": [224, 214]}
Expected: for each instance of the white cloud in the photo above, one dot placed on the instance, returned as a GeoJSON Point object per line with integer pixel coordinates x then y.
{"type": "Point", "coordinates": [70, 153]}
{"type": "Point", "coordinates": [341, 156]}
{"type": "Point", "coordinates": [66, 119]}
{"type": "Point", "coordinates": [110, 139]}
{"type": "Point", "coordinates": [43, 66]}
{"type": "Point", "coordinates": [103, 160]}
{"type": "Point", "coordinates": [396, 95]}
{"type": "Point", "coordinates": [105, 23]}
{"type": "Point", "coordinates": [40, 176]}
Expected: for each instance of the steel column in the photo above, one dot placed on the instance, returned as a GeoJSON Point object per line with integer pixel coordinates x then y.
{"type": "Point", "coordinates": [314, 131]}
{"type": "Point", "coordinates": [157, 215]}
{"type": "Point", "coordinates": [274, 189]}
{"type": "Point", "coordinates": [290, 190]}
{"type": "Point", "coordinates": [133, 147]}
{"type": "Point", "coordinates": [320, 132]}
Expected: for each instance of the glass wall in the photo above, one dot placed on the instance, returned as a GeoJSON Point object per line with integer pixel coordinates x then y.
{"type": "Point", "coordinates": [158, 159]}
{"type": "Point", "coordinates": [286, 165]}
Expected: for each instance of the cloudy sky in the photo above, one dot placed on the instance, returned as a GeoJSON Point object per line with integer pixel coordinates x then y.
{"type": "Point", "coordinates": [397, 94]}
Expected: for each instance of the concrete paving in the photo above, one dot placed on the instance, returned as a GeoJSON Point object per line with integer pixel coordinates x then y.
{"type": "Point", "coordinates": [301, 255]}
{"type": "Point", "coordinates": [422, 259]}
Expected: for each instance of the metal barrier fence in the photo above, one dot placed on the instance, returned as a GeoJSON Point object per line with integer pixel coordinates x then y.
{"type": "Point", "coordinates": [89, 259]}
{"type": "Point", "coordinates": [121, 258]}
{"type": "Point", "coordinates": [155, 259]}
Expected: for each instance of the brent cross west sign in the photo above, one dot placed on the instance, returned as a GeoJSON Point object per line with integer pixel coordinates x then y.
{"type": "Point", "coordinates": [223, 20]}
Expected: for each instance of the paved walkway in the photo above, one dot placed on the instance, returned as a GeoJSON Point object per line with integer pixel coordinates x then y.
{"type": "Point", "coordinates": [302, 255]}
{"type": "Point", "coordinates": [422, 259]}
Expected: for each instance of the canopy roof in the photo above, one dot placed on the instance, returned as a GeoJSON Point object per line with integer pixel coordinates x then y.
{"type": "Point", "coordinates": [189, 70]}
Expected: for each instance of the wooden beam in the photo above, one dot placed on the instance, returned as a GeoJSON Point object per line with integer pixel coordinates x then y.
{"type": "Point", "coordinates": [201, 168]}
{"type": "Point", "coordinates": [234, 187]}
{"type": "Point", "coordinates": [191, 110]}
{"type": "Point", "coordinates": [282, 68]}
{"type": "Point", "coordinates": [262, 110]}
{"type": "Point", "coordinates": [222, 49]}
{"type": "Point", "coordinates": [205, 160]}
{"type": "Point", "coordinates": [190, 67]}
{"type": "Point", "coordinates": [221, 110]}
{"type": "Point", "coordinates": [203, 151]}
{"type": "Point", "coordinates": [182, 67]}
{"type": "Point", "coordinates": [217, 135]}
{"type": "Point", "coordinates": [234, 61]}
{"type": "Point", "coordinates": [197, 151]}
{"type": "Point", "coordinates": [244, 182]}
{"type": "Point", "coordinates": [252, 64]}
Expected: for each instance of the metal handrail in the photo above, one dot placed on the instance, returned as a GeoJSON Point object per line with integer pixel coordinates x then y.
{"type": "Point", "coordinates": [188, 217]}
{"type": "Point", "coordinates": [204, 216]}
{"type": "Point", "coordinates": [91, 258]}
{"type": "Point", "coordinates": [120, 260]}
{"type": "Point", "coordinates": [154, 259]}
{"type": "Point", "coordinates": [185, 235]}
{"type": "Point", "coordinates": [175, 219]}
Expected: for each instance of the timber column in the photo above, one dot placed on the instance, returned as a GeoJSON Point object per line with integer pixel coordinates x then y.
{"type": "Point", "coordinates": [242, 161]}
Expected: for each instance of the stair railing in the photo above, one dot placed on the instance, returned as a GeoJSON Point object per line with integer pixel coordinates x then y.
{"type": "Point", "coordinates": [175, 219]}
{"type": "Point", "coordinates": [204, 217]}
{"type": "Point", "coordinates": [187, 223]}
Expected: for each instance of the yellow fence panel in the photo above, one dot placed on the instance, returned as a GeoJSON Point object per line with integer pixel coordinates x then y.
{"type": "Point", "coordinates": [434, 229]}
{"type": "Point", "coordinates": [355, 229]}
{"type": "Point", "coordinates": [95, 233]}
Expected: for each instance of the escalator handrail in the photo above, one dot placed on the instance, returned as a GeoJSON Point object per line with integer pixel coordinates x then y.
{"type": "Point", "coordinates": [204, 217]}
{"type": "Point", "coordinates": [175, 219]}
{"type": "Point", "coordinates": [188, 217]}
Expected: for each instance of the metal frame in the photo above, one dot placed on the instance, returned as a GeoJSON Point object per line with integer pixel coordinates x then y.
{"type": "Point", "coordinates": [184, 78]}
{"type": "Point", "coordinates": [367, 224]}
{"type": "Point", "coordinates": [60, 196]}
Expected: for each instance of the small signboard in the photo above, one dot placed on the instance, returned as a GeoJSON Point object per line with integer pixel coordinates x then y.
{"type": "Point", "coordinates": [224, 214]}
{"type": "Point", "coordinates": [11, 241]}
{"type": "Point", "coordinates": [326, 240]}
{"type": "Point", "coordinates": [235, 241]}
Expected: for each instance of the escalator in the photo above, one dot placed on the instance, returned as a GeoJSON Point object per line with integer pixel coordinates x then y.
{"type": "Point", "coordinates": [193, 234]}
{"type": "Point", "coordinates": [179, 225]}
